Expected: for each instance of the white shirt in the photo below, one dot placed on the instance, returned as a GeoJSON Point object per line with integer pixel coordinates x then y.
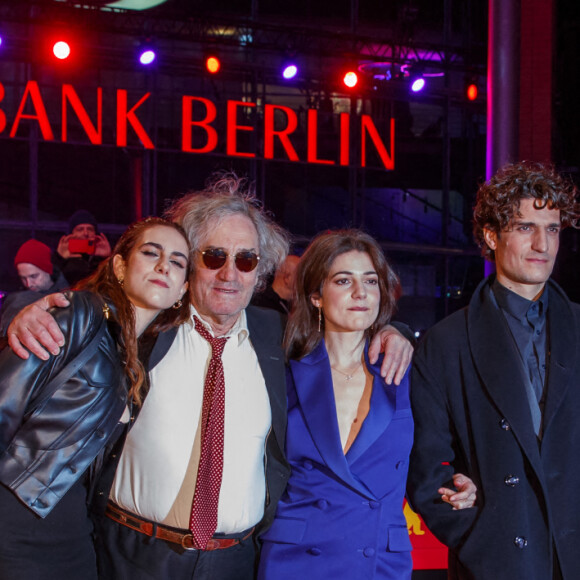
{"type": "Point", "coordinates": [158, 467]}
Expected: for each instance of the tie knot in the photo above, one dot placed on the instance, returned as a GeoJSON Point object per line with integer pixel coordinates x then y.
{"type": "Point", "coordinates": [217, 344]}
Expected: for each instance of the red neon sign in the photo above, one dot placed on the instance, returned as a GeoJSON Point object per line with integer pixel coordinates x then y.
{"type": "Point", "coordinates": [198, 117]}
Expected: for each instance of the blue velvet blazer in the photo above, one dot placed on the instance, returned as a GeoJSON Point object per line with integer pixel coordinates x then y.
{"type": "Point", "coordinates": [341, 515]}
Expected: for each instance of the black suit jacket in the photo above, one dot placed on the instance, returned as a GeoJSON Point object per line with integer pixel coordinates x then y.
{"type": "Point", "coordinates": [472, 416]}
{"type": "Point", "coordinates": [266, 329]}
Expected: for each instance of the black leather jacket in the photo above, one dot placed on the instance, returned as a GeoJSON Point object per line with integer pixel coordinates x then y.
{"type": "Point", "coordinates": [44, 451]}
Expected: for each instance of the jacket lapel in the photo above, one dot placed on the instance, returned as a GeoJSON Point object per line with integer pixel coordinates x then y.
{"type": "Point", "coordinates": [266, 330]}
{"type": "Point", "coordinates": [563, 336]}
{"type": "Point", "coordinates": [382, 408]}
{"type": "Point", "coordinates": [498, 362]}
{"type": "Point", "coordinates": [313, 382]}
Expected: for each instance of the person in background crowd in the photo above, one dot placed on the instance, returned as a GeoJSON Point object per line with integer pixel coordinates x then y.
{"type": "Point", "coordinates": [80, 252]}
{"type": "Point", "coordinates": [37, 274]}
{"type": "Point", "coordinates": [196, 509]}
{"type": "Point", "coordinates": [496, 394]}
{"type": "Point", "coordinates": [349, 435]}
{"type": "Point", "coordinates": [52, 433]}
{"type": "Point", "coordinates": [278, 294]}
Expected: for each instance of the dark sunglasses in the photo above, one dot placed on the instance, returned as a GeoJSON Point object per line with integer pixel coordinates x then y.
{"type": "Point", "coordinates": [215, 258]}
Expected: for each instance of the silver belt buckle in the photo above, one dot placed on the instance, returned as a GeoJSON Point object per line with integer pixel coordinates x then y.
{"type": "Point", "coordinates": [187, 539]}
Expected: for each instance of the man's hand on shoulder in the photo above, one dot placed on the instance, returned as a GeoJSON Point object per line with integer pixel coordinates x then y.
{"type": "Point", "coordinates": [398, 353]}
{"type": "Point", "coordinates": [34, 328]}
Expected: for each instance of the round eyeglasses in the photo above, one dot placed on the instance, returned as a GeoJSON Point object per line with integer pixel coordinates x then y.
{"type": "Point", "coordinates": [215, 258]}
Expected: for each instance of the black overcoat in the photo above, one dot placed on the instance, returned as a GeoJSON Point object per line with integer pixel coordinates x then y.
{"type": "Point", "coordinates": [472, 416]}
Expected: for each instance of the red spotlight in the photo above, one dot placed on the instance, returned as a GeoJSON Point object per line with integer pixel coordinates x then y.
{"type": "Point", "coordinates": [350, 79]}
{"type": "Point", "coordinates": [61, 49]}
{"type": "Point", "coordinates": [472, 92]}
{"type": "Point", "coordinates": [212, 64]}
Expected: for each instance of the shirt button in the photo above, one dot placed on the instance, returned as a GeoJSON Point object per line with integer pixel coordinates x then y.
{"type": "Point", "coordinates": [520, 542]}
{"type": "Point", "coordinates": [308, 465]}
{"type": "Point", "coordinates": [315, 551]}
{"type": "Point", "coordinates": [368, 552]}
{"type": "Point", "coordinates": [322, 504]}
{"type": "Point", "coordinates": [374, 504]}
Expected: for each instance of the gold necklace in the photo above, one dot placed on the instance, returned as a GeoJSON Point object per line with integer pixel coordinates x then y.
{"type": "Point", "coordinates": [348, 375]}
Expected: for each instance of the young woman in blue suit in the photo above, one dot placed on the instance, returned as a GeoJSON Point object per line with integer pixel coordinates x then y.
{"type": "Point", "coordinates": [349, 434]}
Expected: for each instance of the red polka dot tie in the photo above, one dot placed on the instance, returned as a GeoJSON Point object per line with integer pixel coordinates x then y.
{"type": "Point", "coordinates": [203, 521]}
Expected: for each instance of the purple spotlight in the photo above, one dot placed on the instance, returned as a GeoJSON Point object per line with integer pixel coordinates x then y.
{"type": "Point", "coordinates": [418, 85]}
{"type": "Point", "coordinates": [290, 71]}
{"type": "Point", "coordinates": [147, 56]}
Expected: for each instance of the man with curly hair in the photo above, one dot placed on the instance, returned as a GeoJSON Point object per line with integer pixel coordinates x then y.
{"type": "Point", "coordinates": [496, 394]}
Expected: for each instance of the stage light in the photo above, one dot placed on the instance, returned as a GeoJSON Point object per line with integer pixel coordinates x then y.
{"type": "Point", "coordinates": [471, 91]}
{"type": "Point", "coordinates": [212, 64]}
{"type": "Point", "coordinates": [417, 84]}
{"type": "Point", "coordinates": [61, 50]}
{"type": "Point", "coordinates": [289, 71]}
{"type": "Point", "coordinates": [147, 56]}
{"type": "Point", "coordinates": [350, 79]}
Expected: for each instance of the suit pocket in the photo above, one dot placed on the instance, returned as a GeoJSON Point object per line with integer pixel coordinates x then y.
{"type": "Point", "coordinates": [398, 540]}
{"type": "Point", "coordinates": [286, 531]}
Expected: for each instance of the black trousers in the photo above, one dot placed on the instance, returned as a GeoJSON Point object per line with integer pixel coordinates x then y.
{"type": "Point", "coordinates": [123, 553]}
{"type": "Point", "coordinates": [58, 547]}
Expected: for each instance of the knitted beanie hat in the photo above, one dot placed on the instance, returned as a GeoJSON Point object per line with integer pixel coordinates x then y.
{"type": "Point", "coordinates": [35, 253]}
{"type": "Point", "coordinates": [82, 216]}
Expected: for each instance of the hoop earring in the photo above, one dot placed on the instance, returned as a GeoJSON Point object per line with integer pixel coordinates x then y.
{"type": "Point", "coordinates": [319, 318]}
{"type": "Point", "coordinates": [178, 305]}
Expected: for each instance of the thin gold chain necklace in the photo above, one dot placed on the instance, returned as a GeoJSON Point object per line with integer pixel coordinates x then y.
{"type": "Point", "coordinates": [348, 375]}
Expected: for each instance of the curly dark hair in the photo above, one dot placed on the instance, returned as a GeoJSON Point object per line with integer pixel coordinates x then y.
{"type": "Point", "coordinates": [498, 199]}
{"type": "Point", "coordinates": [302, 334]}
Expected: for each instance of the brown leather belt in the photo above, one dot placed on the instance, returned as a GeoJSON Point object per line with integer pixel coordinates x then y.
{"type": "Point", "coordinates": [176, 536]}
